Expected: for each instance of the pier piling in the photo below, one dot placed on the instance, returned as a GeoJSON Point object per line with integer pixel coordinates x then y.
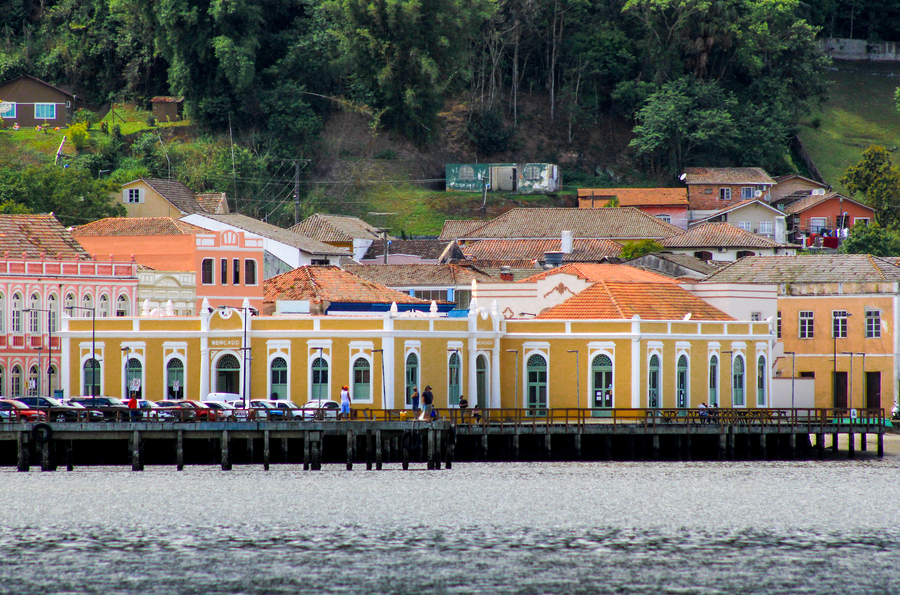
{"type": "Point", "coordinates": [226, 455]}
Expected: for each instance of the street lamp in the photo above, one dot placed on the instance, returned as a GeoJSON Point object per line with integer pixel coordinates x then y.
{"type": "Point", "coordinates": [93, 312]}
{"type": "Point", "coordinates": [381, 351]}
{"type": "Point", "coordinates": [49, 349]}
{"type": "Point", "coordinates": [127, 351]}
{"type": "Point", "coordinates": [516, 376]}
{"type": "Point", "coordinates": [577, 379]}
{"type": "Point", "coordinates": [835, 327]}
{"type": "Point", "coordinates": [245, 310]}
{"type": "Point", "coordinates": [793, 373]}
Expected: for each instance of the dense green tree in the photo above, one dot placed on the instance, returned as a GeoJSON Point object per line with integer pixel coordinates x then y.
{"type": "Point", "coordinates": [641, 248]}
{"type": "Point", "coordinates": [878, 180]}
{"type": "Point", "coordinates": [871, 239]}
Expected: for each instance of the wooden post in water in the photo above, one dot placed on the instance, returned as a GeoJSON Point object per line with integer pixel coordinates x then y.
{"type": "Point", "coordinates": [284, 449]}
{"type": "Point", "coordinates": [438, 449]}
{"type": "Point", "coordinates": [306, 451]}
{"type": "Point", "coordinates": [607, 444]}
{"type": "Point", "coordinates": [379, 445]}
{"type": "Point", "coordinates": [484, 447]}
{"type": "Point", "coordinates": [792, 444]}
{"type": "Point", "coordinates": [720, 453]}
{"type": "Point", "coordinates": [405, 456]}
{"type": "Point", "coordinates": [70, 461]}
{"type": "Point", "coordinates": [515, 445]}
{"type": "Point", "coordinates": [136, 463]}
{"type": "Point", "coordinates": [226, 455]}
{"type": "Point", "coordinates": [266, 450]}
{"type": "Point", "coordinates": [577, 446]}
{"type": "Point", "coordinates": [729, 443]}
{"type": "Point", "coordinates": [250, 449]}
{"type": "Point", "coordinates": [46, 464]}
{"type": "Point", "coordinates": [862, 441]}
{"type": "Point", "coordinates": [429, 452]}
{"type": "Point", "coordinates": [317, 451]}
{"type": "Point", "coordinates": [881, 441]}
{"type": "Point", "coordinates": [451, 447]}
{"type": "Point", "coordinates": [655, 447]}
{"type": "Point", "coordinates": [762, 445]}
{"type": "Point", "coordinates": [851, 448]}
{"type": "Point", "coordinates": [834, 442]}
{"type": "Point", "coordinates": [820, 444]}
{"type": "Point", "coordinates": [349, 450]}
{"type": "Point", "coordinates": [22, 462]}
{"type": "Point", "coordinates": [179, 451]}
{"type": "Point", "coordinates": [548, 447]}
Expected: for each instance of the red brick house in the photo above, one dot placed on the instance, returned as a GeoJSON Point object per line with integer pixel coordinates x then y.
{"type": "Point", "coordinates": [713, 188]}
{"type": "Point", "coordinates": [667, 204]}
{"type": "Point", "coordinates": [817, 213]}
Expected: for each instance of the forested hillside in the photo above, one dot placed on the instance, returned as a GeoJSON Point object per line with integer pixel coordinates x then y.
{"type": "Point", "coordinates": [687, 81]}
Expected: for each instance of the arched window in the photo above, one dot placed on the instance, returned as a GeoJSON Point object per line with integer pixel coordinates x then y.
{"type": "Point", "coordinates": [34, 380]}
{"type": "Point", "coordinates": [87, 302]}
{"type": "Point", "coordinates": [53, 380]}
{"type": "Point", "coordinates": [104, 305]}
{"type": "Point", "coordinates": [34, 317]}
{"type": "Point", "coordinates": [737, 381]}
{"type": "Point", "coordinates": [745, 253]}
{"type": "Point", "coordinates": [761, 381]}
{"type": "Point", "coordinates": [453, 380]}
{"type": "Point", "coordinates": [122, 308]}
{"type": "Point", "coordinates": [70, 301]}
{"type": "Point", "coordinates": [653, 382]}
{"type": "Point", "coordinates": [2, 313]}
{"type": "Point", "coordinates": [319, 379]}
{"type": "Point", "coordinates": [175, 379]}
{"type": "Point", "coordinates": [362, 380]}
{"type": "Point", "coordinates": [681, 390]}
{"type": "Point", "coordinates": [481, 381]}
{"type": "Point", "coordinates": [134, 378]}
{"type": "Point", "coordinates": [278, 374]}
{"type": "Point", "coordinates": [91, 376]}
{"type": "Point", "coordinates": [714, 381]}
{"type": "Point", "coordinates": [412, 376]}
{"type": "Point", "coordinates": [602, 382]}
{"type": "Point", "coordinates": [228, 374]}
{"type": "Point", "coordinates": [536, 389]}
{"type": "Point", "coordinates": [16, 388]}
{"type": "Point", "coordinates": [53, 306]}
{"type": "Point", "coordinates": [17, 315]}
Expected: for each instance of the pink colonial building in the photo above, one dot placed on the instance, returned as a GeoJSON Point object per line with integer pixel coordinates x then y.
{"type": "Point", "coordinates": [45, 274]}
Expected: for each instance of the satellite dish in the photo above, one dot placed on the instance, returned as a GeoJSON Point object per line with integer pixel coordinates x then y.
{"type": "Point", "coordinates": [682, 177]}
{"type": "Point", "coordinates": [5, 106]}
{"type": "Point", "coordinates": [758, 193]}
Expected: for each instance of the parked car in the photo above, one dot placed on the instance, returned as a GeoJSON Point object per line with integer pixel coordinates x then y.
{"type": "Point", "coordinates": [288, 408]}
{"type": "Point", "coordinates": [321, 409]}
{"type": "Point", "coordinates": [259, 410]}
{"type": "Point", "coordinates": [188, 410]}
{"type": "Point", "coordinates": [14, 411]}
{"type": "Point", "coordinates": [58, 411]}
{"type": "Point", "coordinates": [224, 411]}
{"type": "Point", "coordinates": [111, 407]}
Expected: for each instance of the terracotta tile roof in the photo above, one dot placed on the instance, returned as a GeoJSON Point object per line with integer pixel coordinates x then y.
{"type": "Point", "coordinates": [590, 250]}
{"type": "Point", "coordinates": [426, 249]}
{"type": "Point", "coordinates": [726, 175]}
{"type": "Point", "coordinates": [719, 235]}
{"type": "Point", "coordinates": [34, 234]}
{"type": "Point", "coordinates": [826, 268]}
{"type": "Point", "coordinates": [137, 226]}
{"type": "Point", "coordinates": [454, 229]}
{"type": "Point", "coordinates": [213, 202]}
{"type": "Point", "coordinates": [594, 273]}
{"type": "Point", "coordinates": [331, 284]}
{"type": "Point", "coordinates": [278, 234]}
{"type": "Point", "coordinates": [621, 223]}
{"type": "Point", "coordinates": [405, 275]}
{"type": "Point", "coordinates": [635, 197]}
{"type": "Point", "coordinates": [617, 300]}
{"type": "Point", "coordinates": [180, 196]}
{"type": "Point", "coordinates": [683, 260]}
{"type": "Point", "coordinates": [335, 228]}
{"type": "Point", "coordinates": [812, 200]}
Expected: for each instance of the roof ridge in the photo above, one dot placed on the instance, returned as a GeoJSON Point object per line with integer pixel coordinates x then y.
{"type": "Point", "coordinates": [612, 298]}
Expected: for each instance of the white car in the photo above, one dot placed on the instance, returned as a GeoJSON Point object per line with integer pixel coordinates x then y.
{"type": "Point", "coordinates": [321, 409]}
{"type": "Point", "coordinates": [289, 408]}
{"type": "Point", "coordinates": [224, 411]}
{"type": "Point", "coordinates": [258, 410]}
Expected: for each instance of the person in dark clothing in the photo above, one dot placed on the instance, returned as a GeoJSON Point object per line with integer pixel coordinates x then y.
{"type": "Point", "coordinates": [427, 400]}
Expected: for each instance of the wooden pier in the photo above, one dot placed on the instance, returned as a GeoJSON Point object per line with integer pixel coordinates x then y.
{"type": "Point", "coordinates": [377, 437]}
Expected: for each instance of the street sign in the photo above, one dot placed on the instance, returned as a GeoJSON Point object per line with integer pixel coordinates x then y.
{"type": "Point", "coordinates": [176, 385]}
{"type": "Point", "coordinates": [135, 384]}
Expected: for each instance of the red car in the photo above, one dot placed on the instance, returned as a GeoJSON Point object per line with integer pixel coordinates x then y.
{"type": "Point", "coordinates": [185, 410]}
{"type": "Point", "coordinates": [11, 410]}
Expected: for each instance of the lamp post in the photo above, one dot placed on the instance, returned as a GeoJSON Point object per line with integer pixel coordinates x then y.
{"type": "Point", "coordinates": [835, 327]}
{"type": "Point", "coordinates": [381, 351]}
{"type": "Point", "coordinates": [793, 373]}
{"type": "Point", "coordinates": [516, 376]}
{"type": "Point", "coordinates": [49, 349]}
{"type": "Point", "coordinates": [245, 310]}
{"type": "Point", "coordinates": [127, 351]}
{"type": "Point", "coordinates": [577, 379]}
{"type": "Point", "coordinates": [37, 381]}
{"type": "Point", "coordinates": [93, 312]}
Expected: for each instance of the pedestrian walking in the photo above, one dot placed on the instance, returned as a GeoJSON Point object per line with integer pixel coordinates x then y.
{"type": "Point", "coordinates": [427, 401]}
{"type": "Point", "coordinates": [345, 401]}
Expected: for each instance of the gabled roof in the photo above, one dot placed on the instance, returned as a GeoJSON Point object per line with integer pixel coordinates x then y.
{"type": "Point", "coordinates": [455, 228]}
{"type": "Point", "coordinates": [720, 235]}
{"type": "Point", "coordinates": [795, 176]}
{"type": "Point", "coordinates": [335, 228]}
{"type": "Point", "coordinates": [638, 197]}
{"type": "Point", "coordinates": [137, 226]}
{"type": "Point", "coordinates": [583, 250]}
{"type": "Point", "coordinates": [36, 79]}
{"type": "Point", "coordinates": [726, 175]}
{"type": "Point", "coordinates": [426, 249]}
{"type": "Point", "coordinates": [166, 99]}
{"type": "Point", "coordinates": [405, 275]}
{"type": "Point", "coordinates": [687, 261]}
{"type": "Point", "coordinates": [621, 223]}
{"type": "Point", "coordinates": [36, 234]}
{"type": "Point", "coordinates": [213, 202]}
{"type": "Point", "coordinates": [331, 284]}
{"type": "Point", "coordinates": [180, 196]}
{"type": "Point", "coordinates": [619, 300]}
{"type": "Point", "coordinates": [594, 273]}
{"type": "Point", "coordinates": [272, 232]}
{"type": "Point", "coordinates": [736, 206]}
{"type": "Point", "coordinates": [826, 268]}
{"type": "Point", "coordinates": [812, 200]}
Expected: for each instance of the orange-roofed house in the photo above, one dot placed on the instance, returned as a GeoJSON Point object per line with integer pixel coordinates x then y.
{"type": "Point", "coordinates": [666, 204]}
{"type": "Point", "coordinates": [226, 265]}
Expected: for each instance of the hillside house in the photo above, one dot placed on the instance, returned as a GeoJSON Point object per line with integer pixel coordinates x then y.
{"type": "Point", "coordinates": [33, 102]}
{"type": "Point", "coordinates": [151, 197]}
{"type": "Point", "coordinates": [714, 188]}
{"type": "Point", "coordinates": [754, 216]}
{"type": "Point", "coordinates": [167, 109]}
{"type": "Point", "coordinates": [666, 204]}
{"type": "Point", "coordinates": [524, 178]}
{"type": "Point", "coordinates": [812, 215]}
{"type": "Point", "coordinates": [724, 241]}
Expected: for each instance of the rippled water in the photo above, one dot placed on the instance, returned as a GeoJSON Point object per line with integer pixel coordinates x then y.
{"type": "Point", "coordinates": [487, 528]}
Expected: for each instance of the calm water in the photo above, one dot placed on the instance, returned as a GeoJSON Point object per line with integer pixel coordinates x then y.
{"type": "Point", "coordinates": [776, 527]}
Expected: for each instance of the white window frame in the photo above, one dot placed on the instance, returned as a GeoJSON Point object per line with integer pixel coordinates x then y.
{"type": "Point", "coordinates": [802, 331]}
{"type": "Point", "coordinates": [11, 114]}
{"type": "Point", "coordinates": [664, 217]}
{"type": "Point", "coordinates": [747, 192]}
{"type": "Point", "coordinates": [44, 105]}
{"type": "Point", "coordinates": [745, 225]}
{"type": "Point", "coordinates": [817, 224]}
{"type": "Point", "coordinates": [873, 324]}
{"type": "Point", "coordinates": [766, 227]}
{"type": "Point", "coordinates": [133, 196]}
{"type": "Point", "coordinates": [724, 193]}
{"type": "Point", "coordinates": [839, 324]}
{"type": "Point", "coordinates": [862, 220]}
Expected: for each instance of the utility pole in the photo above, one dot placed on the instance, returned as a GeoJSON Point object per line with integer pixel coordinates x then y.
{"type": "Point", "coordinates": [297, 163]}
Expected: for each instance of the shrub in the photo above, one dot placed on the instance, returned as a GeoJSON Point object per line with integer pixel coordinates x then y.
{"type": "Point", "coordinates": [85, 116]}
{"type": "Point", "coordinates": [78, 134]}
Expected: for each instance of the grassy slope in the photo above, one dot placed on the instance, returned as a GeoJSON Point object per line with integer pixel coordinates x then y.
{"type": "Point", "coordinates": [860, 113]}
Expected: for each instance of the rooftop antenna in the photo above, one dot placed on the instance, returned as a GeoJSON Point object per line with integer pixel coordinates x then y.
{"type": "Point", "coordinates": [384, 231]}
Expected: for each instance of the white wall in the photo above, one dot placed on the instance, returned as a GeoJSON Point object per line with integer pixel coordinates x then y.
{"type": "Point", "coordinates": [738, 300]}
{"type": "Point", "coordinates": [804, 393]}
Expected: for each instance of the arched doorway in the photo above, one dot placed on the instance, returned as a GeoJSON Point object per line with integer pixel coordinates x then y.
{"type": "Point", "coordinates": [362, 379]}
{"type": "Point", "coordinates": [602, 382]}
{"type": "Point", "coordinates": [228, 374]}
{"type": "Point", "coordinates": [16, 386]}
{"type": "Point", "coordinates": [412, 376]}
{"type": "Point", "coordinates": [713, 381]}
{"type": "Point", "coordinates": [319, 388]}
{"type": "Point", "coordinates": [536, 390]}
{"type": "Point", "coordinates": [175, 374]}
{"type": "Point", "coordinates": [91, 375]}
{"type": "Point", "coordinates": [278, 377]}
{"type": "Point", "coordinates": [481, 381]}
{"type": "Point", "coordinates": [761, 381]}
{"type": "Point", "coordinates": [737, 382]}
{"type": "Point", "coordinates": [453, 380]}
{"type": "Point", "coordinates": [681, 390]}
{"type": "Point", "coordinates": [34, 381]}
{"type": "Point", "coordinates": [653, 382]}
{"type": "Point", "coordinates": [134, 381]}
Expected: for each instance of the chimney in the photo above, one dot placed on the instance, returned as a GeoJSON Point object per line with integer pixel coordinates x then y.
{"type": "Point", "coordinates": [566, 243]}
{"type": "Point", "coordinates": [506, 273]}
